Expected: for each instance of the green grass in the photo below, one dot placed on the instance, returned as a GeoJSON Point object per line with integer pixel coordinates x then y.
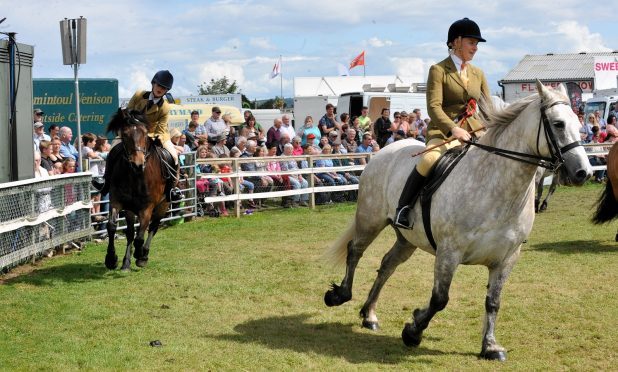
{"type": "Point", "coordinates": [227, 294]}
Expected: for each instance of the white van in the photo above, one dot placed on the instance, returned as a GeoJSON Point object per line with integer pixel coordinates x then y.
{"type": "Point", "coordinates": [603, 101]}
{"type": "Point", "coordinates": [352, 103]}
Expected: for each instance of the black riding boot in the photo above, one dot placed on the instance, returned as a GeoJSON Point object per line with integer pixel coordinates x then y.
{"type": "Point", "coordinates": [408, 198]}
{"type": "Point", "coordinates": [172, 193]}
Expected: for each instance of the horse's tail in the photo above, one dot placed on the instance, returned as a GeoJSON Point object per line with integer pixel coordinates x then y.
{"type": "Point", "coordinates": [607, 206]}
{"type": "Point", "coordinates": [337, 253]}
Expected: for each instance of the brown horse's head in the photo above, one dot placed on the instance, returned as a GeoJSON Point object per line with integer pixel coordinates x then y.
{"type": "Point", "coordinates": [131, 125]}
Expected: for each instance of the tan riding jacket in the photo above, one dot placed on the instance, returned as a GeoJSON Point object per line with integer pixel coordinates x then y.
{"type": "Point", "coordinates": [157, 115]}
{"type": "Point", "coordinates": [447, 97]}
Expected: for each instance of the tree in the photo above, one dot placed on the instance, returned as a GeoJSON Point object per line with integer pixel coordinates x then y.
{"type": "Point", "coordinates": [223, 86]}
{"type": "Point", "coordinates": [219, 86]}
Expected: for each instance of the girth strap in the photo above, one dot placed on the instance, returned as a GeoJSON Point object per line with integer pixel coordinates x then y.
{"type": "Point", "coordinates": [431, 188]}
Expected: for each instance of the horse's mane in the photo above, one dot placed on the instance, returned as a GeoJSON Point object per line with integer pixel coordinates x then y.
{"type": "Point", "coordinates": [498, 118]}
{"type": "Point", "coordinates": [122, 118]}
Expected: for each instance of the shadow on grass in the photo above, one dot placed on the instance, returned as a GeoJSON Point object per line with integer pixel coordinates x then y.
{"type": "Point", "coordinates": [331, 339]}
{"type": "Point", "coordinates": [577, 246]}
{"type": "Point", "coordinates": [68, 273]}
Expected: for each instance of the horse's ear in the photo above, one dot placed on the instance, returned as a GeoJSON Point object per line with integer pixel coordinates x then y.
{"type": "Point", "coordinates": [562, 89]}
{"type": "Point", "coordinates": [543, 91]}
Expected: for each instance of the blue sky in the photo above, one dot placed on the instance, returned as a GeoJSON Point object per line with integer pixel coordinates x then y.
{"type": "Point", "coordinates": [199, 40]}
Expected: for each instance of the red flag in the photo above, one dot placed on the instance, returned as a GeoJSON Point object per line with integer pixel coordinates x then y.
{"type": "Point", "coordinates": [358, 61]}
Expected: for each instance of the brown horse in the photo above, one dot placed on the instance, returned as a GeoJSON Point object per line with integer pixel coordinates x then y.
{"type": "Point", "coordinates": [607, 205]}
{"type": "Point", "coordinates": [137, 187]}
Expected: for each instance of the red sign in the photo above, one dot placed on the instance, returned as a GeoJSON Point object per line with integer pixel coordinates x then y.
{"type": "Point", "coordinates": [586, 86]}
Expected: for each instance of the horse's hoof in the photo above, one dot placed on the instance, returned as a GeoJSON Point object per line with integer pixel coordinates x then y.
{"type": "Point", "coordinates": [617, 237]}
{"type": "Point", "coordinates": [125, 269]}
{"type": "Point", "coordinates": [141, 263]}
{"type": "Point", "coordinates": [494, 355]}
{"type": "Point", "coordinates": [111, 262]}
{"type": "Point", "coordinates": [410, 337]}
{"type": "Point", "coordinates": [374, 326]}
{"type": "Point", "coordinates": [333, 298]}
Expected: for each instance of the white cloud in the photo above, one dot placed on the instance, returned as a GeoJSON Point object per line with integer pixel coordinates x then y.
{"type": "Point", "coordinates": [377, 43]}
{"type": "Point", "coordinates": [579, 37]}
{"type": "Point", "coordinates": [415, 69]}
{"type": "Point", "coordinates": [262, 43]}
{"type": "Point", "coordinates": [219, 69]}
{"type": "Point", "coordinates": [228, 49]}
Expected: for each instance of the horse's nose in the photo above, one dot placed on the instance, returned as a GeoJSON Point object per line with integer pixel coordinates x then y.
{"type": "Point", "coordinates": [581, 176]}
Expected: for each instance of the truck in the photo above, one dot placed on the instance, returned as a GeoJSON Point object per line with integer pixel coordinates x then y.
{"type": "Point", "coordinates": [56, 98]}
{"type": "Point", "coordinates": [602, 100]}
{"type": "Point", "coordinates": [352, 103]}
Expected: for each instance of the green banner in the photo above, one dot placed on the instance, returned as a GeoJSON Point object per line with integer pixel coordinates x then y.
{"type": "Point", "coordinates": [56, 97]}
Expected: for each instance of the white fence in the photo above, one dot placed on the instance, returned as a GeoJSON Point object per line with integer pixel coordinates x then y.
{"type": "Point", "coordinates": [39, 214]}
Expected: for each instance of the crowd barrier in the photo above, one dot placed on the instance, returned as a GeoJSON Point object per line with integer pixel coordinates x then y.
{"type": "Point", "coordinates": [40, 214]}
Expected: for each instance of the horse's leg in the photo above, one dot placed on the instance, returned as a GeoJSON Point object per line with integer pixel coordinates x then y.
{"type": "Point", "coordinates": [552, 188]}
{"type": "Point", "coordinates": [497, 277]}
{"type": "Point", "coordinates": [360, 238]}
{"type": "Point", "coordinates": [399, 253]}
{"type": "Point", "coordinates": [539, 194]}
{"type": "Point", "coordinates": [111, 259]}
{"type": "Point", "coordinates": [153, 227]}
{"type": "Point", "coordinates": [130, 232]}
{"type": "Point", "coordinates": [444, 269]}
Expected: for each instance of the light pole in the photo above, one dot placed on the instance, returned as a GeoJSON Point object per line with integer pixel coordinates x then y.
{"type": "Point", "coordinates": [73, 37]}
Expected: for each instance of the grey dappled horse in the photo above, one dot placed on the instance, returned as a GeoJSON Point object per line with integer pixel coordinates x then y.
{"type": "Point", "coordinates": [480, 215]}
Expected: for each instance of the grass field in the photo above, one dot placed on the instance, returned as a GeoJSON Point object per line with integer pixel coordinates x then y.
{"type": "Point", "coordinates": [227, 294]}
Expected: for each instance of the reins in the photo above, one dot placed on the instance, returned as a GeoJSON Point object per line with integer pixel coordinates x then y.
{"type": "Point", "coordinates": [553, 163]}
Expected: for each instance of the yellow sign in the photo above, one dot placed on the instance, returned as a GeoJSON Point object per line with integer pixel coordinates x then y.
{"type": "Point", "coordinates": [180, 115]}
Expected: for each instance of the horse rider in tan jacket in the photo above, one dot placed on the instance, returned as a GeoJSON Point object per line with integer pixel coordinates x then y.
{"type": "Point", "coordinates": [453, 88]}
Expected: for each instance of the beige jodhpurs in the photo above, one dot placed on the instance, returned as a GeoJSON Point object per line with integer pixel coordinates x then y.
{"type": "Point", "coordinates": [429, 158]}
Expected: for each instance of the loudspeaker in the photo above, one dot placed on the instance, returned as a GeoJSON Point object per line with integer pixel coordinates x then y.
{"type": "Point", "coordinates": [73, 38]}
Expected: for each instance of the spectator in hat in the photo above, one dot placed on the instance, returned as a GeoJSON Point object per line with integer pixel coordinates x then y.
{"type": "Point", "coordinates": [39, 135]}
{"type": "Point", "coordinates": [215, 126]}
{"type": "Point", "coordinates": [310, 140]}
{"type": "Point", "coordinates": [220, 149]}
{"type": "Point", "coordinates": [309, 129]}
{"type": "Point", "coordinates": [333, 136]}
{"type": "Point", "coordinates": [37, 115]}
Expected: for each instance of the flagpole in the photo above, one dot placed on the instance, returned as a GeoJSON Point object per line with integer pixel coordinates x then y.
{"type": "Point", "coordinates": [281, 78]}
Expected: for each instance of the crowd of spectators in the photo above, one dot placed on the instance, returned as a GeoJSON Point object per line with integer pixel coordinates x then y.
{"type": "Point", "coordinates": [596, 129]}
{"type": "Point", "coordinates": [333, 135]}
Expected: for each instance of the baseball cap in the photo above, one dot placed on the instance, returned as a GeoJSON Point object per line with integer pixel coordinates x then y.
{"type": "Point", "coordinates": [310, 136]}
{"type": "Point", "coordinates": [38, 124]}
{"type": "Point", "coordinates": [38, 111]}
{"type": "Point", "coordinates": [216, 109]}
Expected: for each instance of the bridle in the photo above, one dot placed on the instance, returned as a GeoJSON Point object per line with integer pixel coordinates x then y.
{"type": "Point", "coordinates": [143, 150]}
{"type": "Point", "coordinates": [554, 161]}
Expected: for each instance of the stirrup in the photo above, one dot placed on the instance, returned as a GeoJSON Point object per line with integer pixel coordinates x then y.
{"type": "Point", "coordinates": [401, 218]}
{"type": "Point", "coordinates": [175, 194]}
{"type": "Point", "coordinates": [98, 183]}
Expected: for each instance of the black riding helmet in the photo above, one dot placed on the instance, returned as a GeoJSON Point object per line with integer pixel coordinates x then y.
{"type": "Point", "coordinates": [464, 27]}
{"type": "Point", "coordinates": [164, 78]}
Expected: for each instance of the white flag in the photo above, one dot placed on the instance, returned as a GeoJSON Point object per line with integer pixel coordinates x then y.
{"type": "Point", "coordinates": [342, 70]}
{"type": "Point", "coordinates": [276, 69]}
